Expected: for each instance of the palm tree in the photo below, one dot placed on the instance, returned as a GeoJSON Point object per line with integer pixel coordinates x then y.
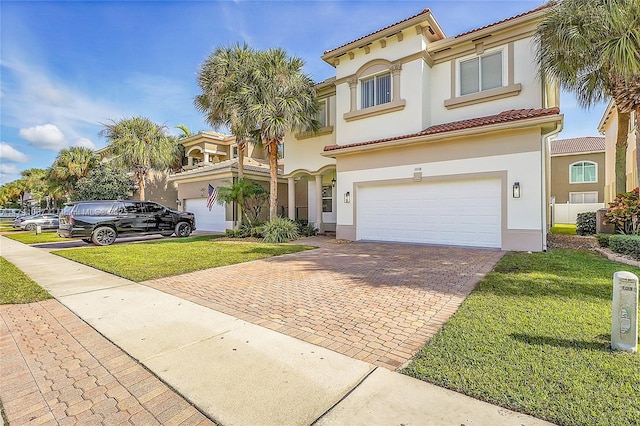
{"type": "Point", "coordinates": [140, 146]}
{"type": "Point", "coordinates": [222, 78]}
{"type": "Point", "coordinates": [280, 98]}
{"type": "Point", "coordinates": [593, 49]}
{"type": "Point", "coordinates": [72, 164]}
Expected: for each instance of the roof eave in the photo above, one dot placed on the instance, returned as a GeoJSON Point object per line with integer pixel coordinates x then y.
{"type": "Point", "coordinates": [401, 26]}
{"type": "Point", "coordinates": [555, 119]}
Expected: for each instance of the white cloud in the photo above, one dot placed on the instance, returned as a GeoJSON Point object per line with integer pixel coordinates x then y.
{"type": "Point", "coordinates": [85, 143]}
{"type": "Point", "coordinates": [9, 153]}
{"type": "Point", "coordinates": [9, 169]}
{"type": "Point", "coordinates": [46, 136]}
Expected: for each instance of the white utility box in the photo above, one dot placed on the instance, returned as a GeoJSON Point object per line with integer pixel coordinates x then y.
{"type": "Point", "coordinates": [624, 327]}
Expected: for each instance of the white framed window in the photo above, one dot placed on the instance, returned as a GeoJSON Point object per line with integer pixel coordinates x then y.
{"type": "Point", "coordinates": [481, 73]}
{"type": "Point", "coordinates": [323, 113]}
{"type": "Point", "coordinates": [375, 90]}
{"type": "Point", "coordinates": [583, 197]}
{"type": "Point", "coordinates": [583, 172]}
{"type": "Point", "coordinates": [327, 198]}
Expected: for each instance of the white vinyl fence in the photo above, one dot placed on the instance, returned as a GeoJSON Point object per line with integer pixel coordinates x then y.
{"type": "Point", "coordinates": [567, 213]}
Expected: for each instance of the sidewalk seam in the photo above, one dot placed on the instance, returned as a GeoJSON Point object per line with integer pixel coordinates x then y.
{"type": "Point", "coordinates": [366, 376]}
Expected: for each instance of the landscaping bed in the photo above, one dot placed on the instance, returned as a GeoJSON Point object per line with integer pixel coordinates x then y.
{"type": "Point", "coordinates": [162, 258]}
{"type": "Point", "coordinates": [534, 337]}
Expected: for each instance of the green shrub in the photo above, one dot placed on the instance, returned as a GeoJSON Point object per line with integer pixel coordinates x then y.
{"type": "Point", "coordinates": [586, 223]}
{"type": "Point", "coordinates": [626, 244]}
{"type": "Point", "coordinates": [280, 230]}
{"type": "Point", "coordinates": [232, 233]}
{"type": "Point", "coordinates": [603, 240]}
{"type": "Point", "coordinates": [305, 229]}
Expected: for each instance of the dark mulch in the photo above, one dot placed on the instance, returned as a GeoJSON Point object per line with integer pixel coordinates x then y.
{"type": "Point", "coordinates": [559, 241]}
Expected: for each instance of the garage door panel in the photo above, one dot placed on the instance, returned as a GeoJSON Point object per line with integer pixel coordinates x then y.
{"type": "Point", "coordinates": [455, 213]}
{"type": "Point", "coordinates": [207, 220]}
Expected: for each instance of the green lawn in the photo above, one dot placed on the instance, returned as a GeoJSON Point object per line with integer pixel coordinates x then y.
{"type": "Point", "coordinates": [564, 229]}
{"type": "Point", "coordinates": [16, 287]}
{"type": "Point", "coordinates": [32, 238]}
{"type": "Point", "coordinates": [535, 337]}
{"type": "Point", "coordinates": [167, 257]}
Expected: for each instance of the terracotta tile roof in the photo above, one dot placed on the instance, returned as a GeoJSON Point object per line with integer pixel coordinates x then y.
{"type": "Point", "coordinates": [544, 6]}
{"type": "Point", "coordinates": [577, 145]}
{"type": "Point", "coordinates": [425, 11]}
{"type": "Point", "coordinates": [503, 117]}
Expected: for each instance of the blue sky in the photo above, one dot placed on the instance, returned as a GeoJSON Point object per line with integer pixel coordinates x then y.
{"type": "Point", "coordinates": [68, 66]}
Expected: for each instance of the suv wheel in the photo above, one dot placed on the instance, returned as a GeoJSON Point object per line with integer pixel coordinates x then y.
{"type": "Point", "coordinates": [183, 229]}
{"type": "Point", "coordinates": [103, 236]}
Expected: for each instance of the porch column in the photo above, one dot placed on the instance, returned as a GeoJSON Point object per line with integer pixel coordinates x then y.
{"type": "Point", "coordinates": [319, 203]}
{"type": "Point", "coordinates": [189, 161]}
{"type": "Point", "coordinates": [291, 187]}
{"type": "Point", "coordinates": [206, 157]}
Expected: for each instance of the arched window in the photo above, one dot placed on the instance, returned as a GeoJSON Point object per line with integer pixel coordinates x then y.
{"type": "Point", "coordinates": [583, 172]}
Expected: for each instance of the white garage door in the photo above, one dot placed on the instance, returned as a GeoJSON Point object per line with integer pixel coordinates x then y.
{"type": "Point", "coordinates": [463, 213]}
{"type": "Point", "coordinates": [206, 220]}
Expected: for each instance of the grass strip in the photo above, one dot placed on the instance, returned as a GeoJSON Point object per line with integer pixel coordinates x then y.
{"type": "Point", "coordinates": [16, 287]}
{"type": "Point", "coordinates": [534, 337]}
{"type": "Point", "coordinates": [564, 229]}
{"type": "Point", "coordinates": [32, 238]}
{"type": "Point", "coordinates": [168, 257]}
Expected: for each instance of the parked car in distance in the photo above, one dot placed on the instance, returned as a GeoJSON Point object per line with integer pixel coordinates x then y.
{"type": "Point", "coordinates": [29, 223]}
{"type": "Point", "coordinates": [101, 222]}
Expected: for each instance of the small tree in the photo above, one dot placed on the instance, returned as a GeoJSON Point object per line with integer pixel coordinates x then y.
{"type": "Point", "coordinates": [250, 196]}
{"type": "Point", "coordinates": [105, 182]}
{"type": "Point", "coordinates": [624, 212]}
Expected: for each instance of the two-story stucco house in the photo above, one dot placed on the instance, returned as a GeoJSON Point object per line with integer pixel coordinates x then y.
{"type": "Point", "coordinates": [431, 139]}
{"type": "Point", "coordinates": [577, 177]}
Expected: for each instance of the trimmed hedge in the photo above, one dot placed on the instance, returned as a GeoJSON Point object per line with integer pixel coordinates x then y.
{"type": "Point", "coordinates": [603, 240]}
{"type": "Point", "coordinates": [626, 244]}
{"type": "Point", "coordinates": [586, 223]}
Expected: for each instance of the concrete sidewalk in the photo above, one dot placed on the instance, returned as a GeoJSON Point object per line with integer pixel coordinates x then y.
{"type": "Point", "coordinates": [239, 373]}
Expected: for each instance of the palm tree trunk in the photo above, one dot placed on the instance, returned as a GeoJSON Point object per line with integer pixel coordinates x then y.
{"type": "Point", "coordinates": [240, 207]}
{"type": "Point", "coordinates": [141, 188]}
{"type": "Point", "coordinates": [273, 168]}
{"type": "Point", "coordinates": [621, 152]}
{"type": "Point", "coordinates": [638, 145]}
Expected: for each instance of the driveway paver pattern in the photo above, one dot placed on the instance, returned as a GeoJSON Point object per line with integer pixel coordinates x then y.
{"type": "Point", "coordinates": [57, 370]}
{"type": "Point", "coordinates": [376, 302]}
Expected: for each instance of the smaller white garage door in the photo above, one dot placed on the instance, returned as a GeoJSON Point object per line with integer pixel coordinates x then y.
{"type": "Point", "coordinates": [462, 213]}
{"type": "Point", "coordinates": [206, 220]}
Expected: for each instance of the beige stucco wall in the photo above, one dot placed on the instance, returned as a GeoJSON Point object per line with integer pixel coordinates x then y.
{"type": "Point", "coordinates": [560, 172]}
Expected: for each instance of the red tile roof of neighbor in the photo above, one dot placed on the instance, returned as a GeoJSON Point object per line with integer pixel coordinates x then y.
{"type": "Point", "coordinates": [503, 117]}
{"type": "Point", "coordinates": [577, 145]}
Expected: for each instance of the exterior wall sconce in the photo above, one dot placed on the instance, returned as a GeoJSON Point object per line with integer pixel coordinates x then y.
{"type": "Point", "coordinates": [178, 202]}
{"type": "Point", "coordinates": [516, 190]}
{"type": "Point", "coordinates": [347, 197]}
{"type": "Point", "coordinates": [333, 182]}
{"type": "Point", "coordinates": [201, 192]}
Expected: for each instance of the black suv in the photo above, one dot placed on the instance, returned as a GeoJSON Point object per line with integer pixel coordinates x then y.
{"type": "Point", "coordinates": [101, 222]}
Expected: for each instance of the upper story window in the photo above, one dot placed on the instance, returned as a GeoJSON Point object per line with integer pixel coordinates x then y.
{"type": "Point", "coordinates": [323, 113]}
{"type": "Point", "coordinates": [583, 172]}
{"type": "Point", "coordinates": [375, 90]}
{"type": "Point", "coordinates": [481, 73]}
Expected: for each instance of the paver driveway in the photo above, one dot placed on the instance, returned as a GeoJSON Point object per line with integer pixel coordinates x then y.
{"type": "Point", "coordinates": [377, 302]}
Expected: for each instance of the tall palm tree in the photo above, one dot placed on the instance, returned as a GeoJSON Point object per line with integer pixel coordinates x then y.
{"type": "Point", "coordinates": [72, 164]}
{"type": "Point", "coordinates": [280, 98]}
{"type": "Point", "coordinates": [222, 78]}
{"type": "Point", "coordinates": [140, 146]}
{"type": "Point", "coordinates": [593, 50]}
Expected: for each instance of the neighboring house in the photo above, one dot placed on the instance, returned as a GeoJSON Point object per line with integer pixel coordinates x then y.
{"type": "Point", "coordinates": [157, 188]}
{"type": "Point", "coordinates": [609, 128]}
{"type": "Point", "coordinates": [212, 159]}
{"type": "Point", "coordinates": [431, 139]}
{"type": "Point", "coordinates": [577, 177]}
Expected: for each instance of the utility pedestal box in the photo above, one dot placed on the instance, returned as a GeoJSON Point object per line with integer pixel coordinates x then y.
{"type": "Point", "coordinates": [624, 327]}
